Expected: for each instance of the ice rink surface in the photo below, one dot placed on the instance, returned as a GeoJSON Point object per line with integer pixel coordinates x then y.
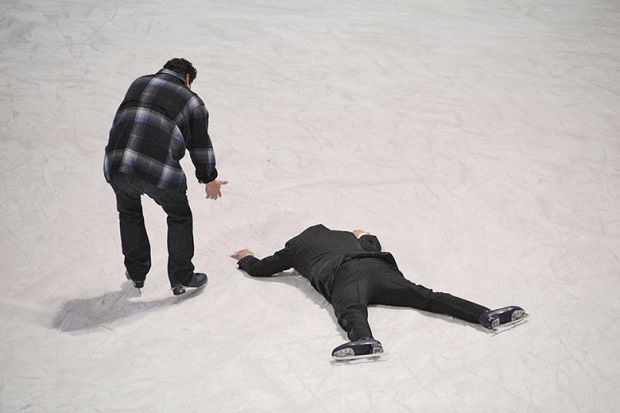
{"type": "Point", "coordinates": [479, 139]}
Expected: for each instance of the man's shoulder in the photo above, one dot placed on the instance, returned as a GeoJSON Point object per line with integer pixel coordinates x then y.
{"type": "Point", "coordinates": [314, 229]}
{"type": "Point", "coordinates": [318, 227]}
{"type": "Point", "coordinates": [195, 99]}
{"type": "Point", "coordinates": [142, 80]}
{"type": "Point", "coordinates": [174, 87]}
{"type": "Point", "coordinates": [305, 234]}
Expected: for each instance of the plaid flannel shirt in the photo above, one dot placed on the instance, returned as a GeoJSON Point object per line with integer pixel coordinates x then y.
{"type": "Point", "coordinates": [157, 121]}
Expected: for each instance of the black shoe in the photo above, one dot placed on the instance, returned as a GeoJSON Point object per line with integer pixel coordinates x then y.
{"type": "Point", "coordinates": [362, 347]}
{"type": "Point", "coordinates": [137, 284]}
{"type": "Point", "coordinates": [492, 319]}
{"type": "Point", "coordinates": [198, 280]}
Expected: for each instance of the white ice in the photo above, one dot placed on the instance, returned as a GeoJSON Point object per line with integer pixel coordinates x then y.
{"type": "Point", "coordinates": [479, 139]}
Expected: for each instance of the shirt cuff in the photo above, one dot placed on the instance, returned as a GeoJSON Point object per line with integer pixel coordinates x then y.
{"type": "Point", "coordinates": [362, 234]}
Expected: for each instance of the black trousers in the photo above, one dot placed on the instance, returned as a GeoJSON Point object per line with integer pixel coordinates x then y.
{"type": "Point", "coordinates": [365, 281]}
{"type": "Point", "coordinates": [135, 241]}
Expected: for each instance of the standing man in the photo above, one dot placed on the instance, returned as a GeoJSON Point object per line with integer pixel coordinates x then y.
{"type": "Point", "coordinates": [351, 272]}
{"type": "Point", "coordinates": [157, 121]}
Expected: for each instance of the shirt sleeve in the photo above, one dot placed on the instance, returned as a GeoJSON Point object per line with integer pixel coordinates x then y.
{"type": "Point", "coordinates": [199, 142]}
{"type": "Point", "coordinates": [280, 261]}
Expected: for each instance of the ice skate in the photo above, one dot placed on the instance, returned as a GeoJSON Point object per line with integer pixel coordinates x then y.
{"type": "Point", "coordinates": [138, 284]}
{"type": "Point", "coordinates": [502, 317]}
{"type": "Point", "coordinates": [198, 280]}
{"type": "Point", "coordinates": [365, 347]}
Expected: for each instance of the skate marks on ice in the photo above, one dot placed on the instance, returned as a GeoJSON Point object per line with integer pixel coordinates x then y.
{"type": "Point", "coordinates": [84, 314]}
{"type": "Point", "coordinates": [297, 281]}
{"type": "Point", "coordinates": [294, 280]}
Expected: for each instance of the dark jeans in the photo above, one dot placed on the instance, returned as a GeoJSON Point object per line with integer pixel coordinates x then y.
{"type": "Point", "coordinates": [135, 242]}
{"type": "Point", "coordinates": [365, 281]}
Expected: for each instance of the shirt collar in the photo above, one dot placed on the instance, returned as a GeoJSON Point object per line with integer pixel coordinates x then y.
{"type": "Point", "coordinates": [173, 73]}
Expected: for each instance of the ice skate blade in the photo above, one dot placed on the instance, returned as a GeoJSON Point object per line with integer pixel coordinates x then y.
{"type": "Point", "coordinates": [510, 325]}
{"type": "Point", "coordinates": [345, 355]}
{"type": "Point", "coordinates": [188, 295]}
{"type": "Point", "coordinates": [361, 357]}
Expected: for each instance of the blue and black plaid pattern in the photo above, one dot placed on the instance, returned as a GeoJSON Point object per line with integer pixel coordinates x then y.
{"type": "Point", "coordinates": [156, 122]}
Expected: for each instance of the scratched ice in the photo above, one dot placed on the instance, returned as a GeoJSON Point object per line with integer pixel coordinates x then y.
{"type": "Point", "coordinates": [478, 139]}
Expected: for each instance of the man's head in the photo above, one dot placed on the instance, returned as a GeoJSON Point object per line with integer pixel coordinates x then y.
{"type": "Point", "coordinates": [182, 67]}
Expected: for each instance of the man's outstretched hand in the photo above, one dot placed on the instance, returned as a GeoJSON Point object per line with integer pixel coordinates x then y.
{"type": "Point", "coordinates": [358, 232]}
{"type": "Point", "coordinates": [213, 189]}
{"type": "Point", "coordinates": [241, 253]}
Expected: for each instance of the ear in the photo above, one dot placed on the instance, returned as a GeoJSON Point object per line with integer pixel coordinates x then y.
{"type": "Point", "coordinates": [188, 81]}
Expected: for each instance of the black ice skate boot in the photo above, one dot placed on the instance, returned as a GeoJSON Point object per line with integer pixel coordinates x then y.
{"type": "Point", "coordinates": [138, 284]}
{"type": "Point", "coordinates": [198, 280]}
{"type": "Point", "coordinates": [492, 319]}
{"type": "Point", "coordinates": [365, 347]}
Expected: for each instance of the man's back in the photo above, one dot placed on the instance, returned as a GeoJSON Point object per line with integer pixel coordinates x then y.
{"type": "Point", "coordinates": [158, 119]}
{"type": "Point", "coordinates": [317, 253]}
{"type": "Point", "coordinates": [318, 250]}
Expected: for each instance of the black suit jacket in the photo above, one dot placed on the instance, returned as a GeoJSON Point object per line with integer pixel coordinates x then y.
{"type": "Point", "coordinates": [317, 253]}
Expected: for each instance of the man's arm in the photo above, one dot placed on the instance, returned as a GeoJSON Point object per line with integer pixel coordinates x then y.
{"type": "Point", "coordinates": [268, 266]}
{"type": "Point", "coordinates": [368, 242]}
{"type": "Point", "coordinates": [198, 142]}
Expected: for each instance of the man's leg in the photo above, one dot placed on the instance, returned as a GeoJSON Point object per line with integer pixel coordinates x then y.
{"type": "Point", "coordinates": [350, 300]}
{"type": "Point", "coordinates": [389, 287]}
{"type": "Point", "coordinates": [180, 234]}
{"type": "Point", "coordinates": [134, 240]}
{"type": "Point", "coordinates": [350, 293]}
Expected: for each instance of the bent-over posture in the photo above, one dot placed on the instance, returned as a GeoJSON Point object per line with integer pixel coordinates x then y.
{"type": "Point", "coordinates": [351, 272]}
{"type": "Point", "coordinates": [159, 119]}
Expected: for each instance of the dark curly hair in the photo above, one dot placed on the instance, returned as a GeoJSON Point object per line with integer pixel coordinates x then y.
{"type": "Point", "coordinates": [181, 66]}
